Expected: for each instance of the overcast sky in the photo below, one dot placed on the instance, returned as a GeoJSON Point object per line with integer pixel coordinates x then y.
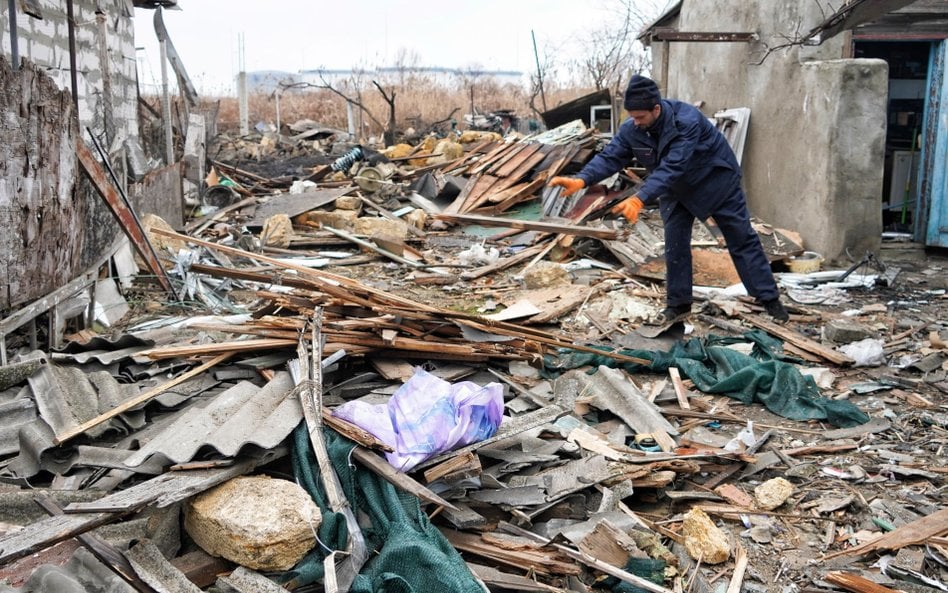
{"type": "Point", "coordinates": [294, 35]}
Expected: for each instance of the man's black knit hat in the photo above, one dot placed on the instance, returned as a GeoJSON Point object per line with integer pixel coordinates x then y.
{"type": "Point", "coordinates": [641, 94]}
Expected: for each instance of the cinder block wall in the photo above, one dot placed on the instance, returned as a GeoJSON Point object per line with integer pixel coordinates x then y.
{"type": "Point", "coordinates": [45, 42]}
{"type": "Point", "coordinates": [815, 150]}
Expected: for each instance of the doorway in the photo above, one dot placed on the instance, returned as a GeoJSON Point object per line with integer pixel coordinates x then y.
{"type": "Point", "coordinates": [908, 83]}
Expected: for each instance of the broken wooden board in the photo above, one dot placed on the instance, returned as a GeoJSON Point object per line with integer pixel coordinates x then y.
{"type": "Point", "coordinates": [800, 341]}
{"type": "Point", "coordinates": [909, 534]}
{"type": "Point", "coordinates": [547, 227]}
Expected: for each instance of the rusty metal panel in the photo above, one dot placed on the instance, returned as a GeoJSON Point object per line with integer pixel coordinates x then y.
{"type": "Point", "coordinates": [42, 235]}
{"type": "Point", "coordinates": [160, 193]}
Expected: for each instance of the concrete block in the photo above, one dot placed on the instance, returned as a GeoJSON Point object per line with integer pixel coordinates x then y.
{"type": "Point", "coordinates": [844, 331]}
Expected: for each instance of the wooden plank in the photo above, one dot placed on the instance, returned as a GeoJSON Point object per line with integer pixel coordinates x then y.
{"type": "Point", "coordinates": [349, 291]}
{"type": "Point", "coordinates": [513, 199]}
{"type": "Point", "coordinates": [200, 567]}
{"type": "Point", "coordinates": [217, 348]}
{"type": "Point", "coordinates": [502, 264]}
{"type": "Point", "coordinates": [467, 465]}
{"type": "Point", "coordinates": [307, 372]}
{"type": "Point", "coordinates": [105, 552]}
{"type": "Point", "coordinates": [537, 560]}
{"type": "Point", "coordinates": [139, 399]}
{"type": "Point", "coordinates": [122, 211]}
{"type": "Point", "coordinates": [681, 392]}
{"type": "Point", "coordinates": [514, 160]}
{"type": "Point", "coordinates": [398, 479]}
{"type": "Point", "coordinates": [480, 192]}
{"type": "Point", "coordinates": [609, 544]}
{"type": "Point", "coordinates": [527, 225]}
{"type": "Point", "coordinates": [854, 583]}
{"type": "Point", "coordinates": [740, 567]}
{"type": "Point", "coordinates": [506, 581]}
{"type": "Point", "coordinates": [800, 341]}
{"type": "Point", "coordinates": [916, 532]}
{"type": "Point", "coordinates": [589, 561]}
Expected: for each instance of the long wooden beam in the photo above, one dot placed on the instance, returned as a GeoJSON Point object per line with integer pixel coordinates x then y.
{"type": "Point", "coordinates": [532, 225]}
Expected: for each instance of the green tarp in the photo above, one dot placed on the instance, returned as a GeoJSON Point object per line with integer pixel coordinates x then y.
{"type": "Point", "coordinates": [407, 554]}
{"type": "Point", "coordinates": [765, 376]}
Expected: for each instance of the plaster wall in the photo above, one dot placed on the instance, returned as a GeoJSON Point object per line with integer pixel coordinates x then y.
{"type": "Point", "coordinates": [66, 226]}
{"type": "Point", "coordinates": [814, 156]}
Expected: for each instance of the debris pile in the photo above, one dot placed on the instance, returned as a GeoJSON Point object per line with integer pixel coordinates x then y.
{"type": "Point", "coordinates": [419, 367]}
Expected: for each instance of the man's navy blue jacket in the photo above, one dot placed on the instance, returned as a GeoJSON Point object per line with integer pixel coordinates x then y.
{"type": "Point", "coordinates": [688, 160]}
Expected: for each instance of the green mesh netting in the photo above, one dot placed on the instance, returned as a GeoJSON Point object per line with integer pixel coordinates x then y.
{"type": "Point", "coordinates": [765, 376]}
{"type": "Point", "coordinates": [647, 568]}
{"type": "Point", "coordinates": [406, 552]}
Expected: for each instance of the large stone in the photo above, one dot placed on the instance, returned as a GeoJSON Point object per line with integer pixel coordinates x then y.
{"type": "Point", "coordinates": [381, 227]}
{"type": "Point", "coordinates": [343, 220]}
{"type": "Point", "coordinates": [349, 203]}
{"type": "Point", "coordinates": [277, 231]}
{"type": "Point", "coordinates": [773, 493]}
{"type": "Point", "coordinates": [703, 540]}
{"type": "Point", "coordinates": [546, 274]}
{"type": "Point", "coordinates": [255, 521]}
{"type": "Point", "coordinates": [845, 331]}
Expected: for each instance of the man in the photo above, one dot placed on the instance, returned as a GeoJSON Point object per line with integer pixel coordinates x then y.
{"type": "Point", "coordinates": [693, 173]}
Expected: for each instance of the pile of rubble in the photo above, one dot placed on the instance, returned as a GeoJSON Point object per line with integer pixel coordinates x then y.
{"type": "Point", "coordinates": [422, 365]}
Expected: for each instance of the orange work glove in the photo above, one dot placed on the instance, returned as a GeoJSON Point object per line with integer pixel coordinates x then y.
{"type": "Point", "coordinates": [570, 185]}
{"type": "Point", "coordinates": [629, 208]}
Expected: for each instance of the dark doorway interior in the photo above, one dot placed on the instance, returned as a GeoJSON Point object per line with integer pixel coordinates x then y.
{"type": "Point", "coordinates": [908, 74]}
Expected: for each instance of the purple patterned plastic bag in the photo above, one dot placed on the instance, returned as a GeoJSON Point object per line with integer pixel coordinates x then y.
{"type": "Point", "coordinates": [428, 416]}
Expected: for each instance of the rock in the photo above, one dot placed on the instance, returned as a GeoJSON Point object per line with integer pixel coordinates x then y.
{"type": "Point", "coordinates": [546, 274]}
{"type": "Point", "coordinates": [343, 220]}
{"type": "Point", "coordinates": [703, 540]}
{"type": "Point", "coordinates": [416, 218]}
{"type": "Point", "coordinates": [166, 247]}
{"type": "Point", "coordinates": [255, 521]}
{"type": "Point", "coordinates": [844, 331]}
{"type": "Point", "coordinates": [381, 227]}
{"type": "Point", "coordinates": [773, 493]}
{"type": "Point", "coordinates": [277, 231]}
{"type": "Point", "coordinates": [349, 203]}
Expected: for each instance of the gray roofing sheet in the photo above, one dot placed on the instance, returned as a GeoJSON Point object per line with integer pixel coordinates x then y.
{"type": "Point", "coordinates": [242, 415]}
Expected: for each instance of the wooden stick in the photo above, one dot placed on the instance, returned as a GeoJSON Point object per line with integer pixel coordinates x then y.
{"type": "Point", "coordinates": [139, 399]}
{"type": "Point", "coordinates": [680, 391]}
{"type": "Point", "coordinates": [855, 583]}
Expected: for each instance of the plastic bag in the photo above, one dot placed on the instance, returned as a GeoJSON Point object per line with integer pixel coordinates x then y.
{"type": "Point", "coordinates": [865, 353]}
{"type": "Point", "coordinates": [428, 415]}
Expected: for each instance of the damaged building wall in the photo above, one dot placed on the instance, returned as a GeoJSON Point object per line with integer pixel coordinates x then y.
{"type": "Point", "coordinates": [39, 249]}
{"type": "Point", "coordinates": [817, 133]}
{"type": "Point", "coordinates": [66, 227]}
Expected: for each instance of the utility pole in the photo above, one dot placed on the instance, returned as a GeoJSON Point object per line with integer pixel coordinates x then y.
{"type": "Point", "coordinates": [536, 56]}
{"type": "Point", "coordinates": [242, 86]}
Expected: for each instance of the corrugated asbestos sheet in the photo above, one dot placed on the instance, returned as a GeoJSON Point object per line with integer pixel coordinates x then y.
{"type": "Point", "coordinates": [242, 415]}
{"type": "Point", "coordinates": [223, 423]}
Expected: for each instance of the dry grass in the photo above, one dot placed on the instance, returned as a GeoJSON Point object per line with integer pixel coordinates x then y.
{"type": "Point", "coordinates": [419, 102]}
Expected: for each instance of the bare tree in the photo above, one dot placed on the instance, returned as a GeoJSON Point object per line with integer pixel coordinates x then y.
{"type": "Point", "coordinates": [390, 100]}
{"type": "Point", "coordinates": [355, 99]}
{"type": "Point", "coordinates": [612, 51]}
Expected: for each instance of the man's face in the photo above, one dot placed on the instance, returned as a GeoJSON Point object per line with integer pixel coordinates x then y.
{"type": "Point", "coordinates": [643, 118]}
